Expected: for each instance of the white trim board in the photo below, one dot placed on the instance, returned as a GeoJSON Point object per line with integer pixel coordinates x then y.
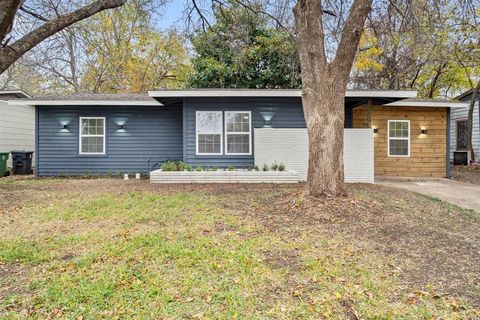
{"type": "Point", "coordinates": [273, 93]}
{"type": "Point", "coordinates": [80, 136]}
{"type": "Point", "coordinates": [85, 103]}
{"type": "Point", "coordinates": [398, 138]}
{"type": "Point", "coordinates": [233, 133]}
{"type": "Point", "coordinates": [432, 104]}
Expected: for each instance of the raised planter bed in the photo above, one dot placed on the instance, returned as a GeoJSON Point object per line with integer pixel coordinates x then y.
{"type": "Point", "coordinates": [236, 176]}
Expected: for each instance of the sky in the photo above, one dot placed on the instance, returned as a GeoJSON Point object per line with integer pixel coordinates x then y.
{"type": "Point", "coordinates": [172, 15]}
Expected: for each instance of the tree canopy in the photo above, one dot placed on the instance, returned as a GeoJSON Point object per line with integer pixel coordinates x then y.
{"type": "Point", "coordinates": [241, 50]}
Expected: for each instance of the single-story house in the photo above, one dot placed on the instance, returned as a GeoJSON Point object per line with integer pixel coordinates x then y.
{"type": "Point", "coordinates": [17, 123]}
{"type": "Point", "coordinates": [128, 133]}
{"type": "Point", "coordinates": [459, 127]}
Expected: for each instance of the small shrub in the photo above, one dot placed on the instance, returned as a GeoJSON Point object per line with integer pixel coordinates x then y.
{"type": "Point", "coordinates": [198, 168]}
{"type": "Point", "coordinates": [250, 168]}
{"type": "Point", "coordinates": [255, 167]}
{"type": "Point", "coordinates": [214, 168]}
{"type": "Point", "coordinates": [174, 166]}
{"type": "Point", "coordinates": [188, 167]}
{"type": "Point", "coordinates": [265, 167]}
{"type": "Point", "coordinates": [231, 168]}
{"type": "Point", "coordinates": [168, 166]}
{"type": "Point", "coordinates": [274, 166]}
{"type": "Point", "coordinates": [281, 167]}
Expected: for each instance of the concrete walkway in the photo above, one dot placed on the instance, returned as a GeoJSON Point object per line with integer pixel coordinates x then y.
{"type": "Point", "coordinates": [464, 195]}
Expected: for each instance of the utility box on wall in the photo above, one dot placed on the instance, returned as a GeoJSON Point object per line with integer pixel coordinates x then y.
{"type": "Point", "coordinates": [290, 147]}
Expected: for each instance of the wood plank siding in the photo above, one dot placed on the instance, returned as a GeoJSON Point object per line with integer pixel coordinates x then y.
{"type": "Point", "coordinates": [427, 151]}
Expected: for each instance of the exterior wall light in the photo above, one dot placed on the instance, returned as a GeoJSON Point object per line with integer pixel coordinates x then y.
{"type": "Point", "coordinates": [424, 131]}
{"type": "Point", "coordinates": [375, 130]}
{"type": "Point", "coordinates": [267, 117]}
{"type": "Point", "coordinates": [65, 127]}
{"type": "Point", "coordinates": [120, 127]}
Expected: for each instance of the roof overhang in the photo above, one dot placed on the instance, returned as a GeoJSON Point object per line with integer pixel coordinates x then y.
{"type": "Point", "coordinates": [439, 104]}
{"type": "Point", "coordinates": [273, 93]}
{"type": "Point", "coordinates": [18, 93]}
{"type": "Point", "coordinates": [31, 102]}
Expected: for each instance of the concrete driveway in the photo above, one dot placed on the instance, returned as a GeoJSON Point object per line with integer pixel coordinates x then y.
{"type": "Point", "coordinates": [462, 194]}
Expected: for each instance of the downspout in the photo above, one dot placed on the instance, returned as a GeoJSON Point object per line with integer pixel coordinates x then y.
{"type": "Point", "coordinates": [448, 169]}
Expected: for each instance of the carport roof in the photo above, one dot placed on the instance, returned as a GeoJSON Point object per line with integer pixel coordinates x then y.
{"type": "Point", "coordinates": [433, 103]}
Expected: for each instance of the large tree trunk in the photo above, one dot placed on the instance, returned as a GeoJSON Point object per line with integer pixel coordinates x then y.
{"type": "Point", "coordinates": [324, 86]}
{"type": "Point", "coordinates": [473, 100]}
{"type": "Point", "coordinates": [11, 53]}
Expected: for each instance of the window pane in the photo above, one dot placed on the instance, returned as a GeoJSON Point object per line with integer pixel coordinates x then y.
{"type": "Point", "coordinates": [398, 147]}
{"type": "Point", "coordinates": [92, 144]}
{"type": "Point", "coordinates": [209, 122]}
{"type": "Point", "coordinates": [92, 126]}
{"type": "Point", "coordinates": [209, 143]}
{"type": "Point", "coordinates": [238, 143]}
{"type": "Point", "coordinates": [398, 129]}
{"type": "Point", "coordinates": [237, 121]}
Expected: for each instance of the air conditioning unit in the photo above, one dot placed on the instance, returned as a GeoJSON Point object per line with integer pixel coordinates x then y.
{"type": "Point", "coordinates": [460, 158]}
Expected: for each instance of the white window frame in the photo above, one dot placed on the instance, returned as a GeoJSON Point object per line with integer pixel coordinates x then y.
{"type": "Point", "coordinates": [398, 138]}
{"type": "Point", "coordinates": [197, 133]}
{"type": "Point", "coordinates": [234, 133]}
{"type": "Point", "coordinates": [80, 136]}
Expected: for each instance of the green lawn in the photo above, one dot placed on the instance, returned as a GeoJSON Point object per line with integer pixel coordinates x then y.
{"type": "Point", "coordinates": [88, 249]}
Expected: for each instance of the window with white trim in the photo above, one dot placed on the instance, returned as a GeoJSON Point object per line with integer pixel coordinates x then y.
{"type": "Point", "coordinates": [209, 126]}
{"type": "Point", "coordinates": [92, 135]}
{"type": "Point", "coordinates": [399, 138]}
{"type": "Point", "coordinates": [238, 138]}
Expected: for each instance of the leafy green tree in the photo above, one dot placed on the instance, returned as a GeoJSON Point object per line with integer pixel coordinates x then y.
{"type": "Point", "coordinates": [241, 50]}
{"type": "Point", "coordinates": [126, 54]}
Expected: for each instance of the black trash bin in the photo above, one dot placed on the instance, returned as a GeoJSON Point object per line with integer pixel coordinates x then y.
{"type": "Point", "coordinates": [22, 162]}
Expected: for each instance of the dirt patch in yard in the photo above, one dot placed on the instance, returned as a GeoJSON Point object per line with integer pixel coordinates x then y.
{"type": "Point", "coordinates": [430, 243]}
{"type": "Point", "coordinates": [468, 174]}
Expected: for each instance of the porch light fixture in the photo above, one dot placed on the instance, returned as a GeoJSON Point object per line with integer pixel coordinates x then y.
{"type": "Point", "coordinates": [64, 127]}
{"type": "Point", "coordinates": [375, 130]}
{"type": "Point", "coordinates": [120, 127]}
{"type": "Point", "coordinates": [267, 117]}
{"type": "Point", "coordinates": [424, 131]}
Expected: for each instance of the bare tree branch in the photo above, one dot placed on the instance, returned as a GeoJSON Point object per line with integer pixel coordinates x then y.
{"type": "Point", "coordinates": [10, 54]}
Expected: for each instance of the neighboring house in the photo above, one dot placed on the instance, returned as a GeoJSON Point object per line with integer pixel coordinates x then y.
{"type": "Point", "coordinates": [97, 134]}
{"type": "Point", "coordinates": [459, 127]}
{"type": "Point", "coordinates": [17, 123]}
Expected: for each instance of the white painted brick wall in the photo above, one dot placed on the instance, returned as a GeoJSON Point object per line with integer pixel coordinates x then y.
{"type": "Point", "coordinates": [290, 146]}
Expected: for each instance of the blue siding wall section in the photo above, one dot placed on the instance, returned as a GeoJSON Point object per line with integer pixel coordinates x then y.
{"type": "Point", "coordinates": [151, 134]}
{"type": "Point", "coordinates": [288, 114]}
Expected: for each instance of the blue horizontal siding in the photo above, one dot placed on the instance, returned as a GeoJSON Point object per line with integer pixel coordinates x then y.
{"type": "Point", "coordinates": [153, 134]}
{"type": "Point", "coordinates": [288, 114]}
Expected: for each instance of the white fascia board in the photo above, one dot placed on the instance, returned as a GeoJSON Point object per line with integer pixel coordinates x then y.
{"type": "Point", "coordinates": [223, 93]}
{"type": "Point", "coordinates": [401, 94]}
{"type": "Point", "coordinates": [85, 103]}
{"type": "Point", "coordinates": [24, 94]}
{"type": "Point", "coordinates": [274, 93]}
{"type": "Point", "coordinates": [425, 104]}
